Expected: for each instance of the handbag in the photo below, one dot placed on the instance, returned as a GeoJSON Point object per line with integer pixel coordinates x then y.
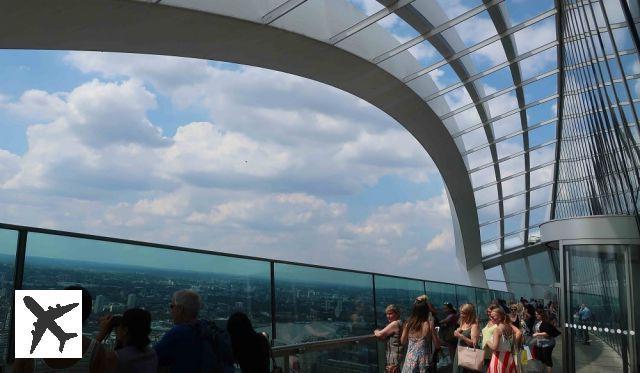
{"type": "Point", "coordinates": [470, 357]}
{"type": "Point", "coordinates": [524, 358]}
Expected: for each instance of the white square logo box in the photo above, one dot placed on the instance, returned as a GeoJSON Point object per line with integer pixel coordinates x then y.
{"type": "Point", "coordinates": [47, 321]}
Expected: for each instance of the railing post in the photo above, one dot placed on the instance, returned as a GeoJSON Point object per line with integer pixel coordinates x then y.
{"type": "Point", "coordinates": [17, 285]}
{"type": "Point", "coordinates": [273, 301]}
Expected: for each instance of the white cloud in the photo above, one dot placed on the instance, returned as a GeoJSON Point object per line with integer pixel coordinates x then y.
{"type": "Point", "coordinates": [443, 241]}
{"type": "Point", "coordinates": [36, 105]}
{"type": "Point", "coordinates": [270, 172]}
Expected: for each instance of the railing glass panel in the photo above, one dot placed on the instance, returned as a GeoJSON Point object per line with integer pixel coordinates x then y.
{"type": "Point", "coordinates": [314, 304]}
{"type": "Point", "coordinates": [311, 303]}
{"type": "Point", "coordinates": [8, 245]}
{"type": "Point", "coordinates": [398, 291]}
{"type": "Point", "coordinates": [121, 276]}
{"type": "Point", "coordinates": [439, 293]}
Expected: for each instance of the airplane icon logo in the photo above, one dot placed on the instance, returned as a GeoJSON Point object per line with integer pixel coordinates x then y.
{"type": "Point", "coordinates": [47, 320]}
{"type": "Point", "coordinates": [54, 310]}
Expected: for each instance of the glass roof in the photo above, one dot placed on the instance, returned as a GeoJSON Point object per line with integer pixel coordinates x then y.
{"type": "Point", "coordinates": [489, 70]}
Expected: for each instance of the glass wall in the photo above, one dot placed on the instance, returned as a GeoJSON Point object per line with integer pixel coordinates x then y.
{"type": "Point", "coordinates": [440, 293]}
{"type": "Point", "coordinates": [311, 303]}
{"type": "Point", "coordinates": [600, 308]}
{"type": "Point", "coordinates": [8, 246]}
{"type": "Point", "coordinates": [398, 291]}
{"type": "Point", "coordinates": [121, 276]}
{"type": "Point", "coordinates": [315, 304]}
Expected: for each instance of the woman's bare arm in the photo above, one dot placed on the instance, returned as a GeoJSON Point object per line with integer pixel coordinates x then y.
{"type": "Point", "coordinates": [494, 342]}
{"type": "Point", "coordinates": [404, 338]}
{"type": "Point", "coordinates": [387, 331]}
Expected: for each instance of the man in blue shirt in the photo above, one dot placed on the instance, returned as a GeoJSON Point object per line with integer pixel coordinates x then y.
{"type": "Point", "coordinates": [585, 318]}
{"type": "Point", "coordinates": [181, 348]}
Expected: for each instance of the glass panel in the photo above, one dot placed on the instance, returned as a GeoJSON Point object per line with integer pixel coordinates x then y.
{"type": "Point", "coordinates": [478, 158]}
{"type": "Point", "coordinates": [516, 271]}
{"type": "Point", "coordinates": [520, 11]}
{"type": "Point", "coordinates": [514, 204]}
{"type": "Point", "coordinates": [318, 304]}
{"type": "Point", "coordinates": [8, 246]}
{"type": "Point", "coordinates": [483, 299]}
{"type": "Point", "coordinates": [488, 213]}
{"type": "Point", "coordinates": [542, 134]}
{"type": "Point", "coordinates": [486, 195]}
{"type": "Point", "coordinates": [474, 138]}
{"type": "Point", "coordinates": [439, 293]}
{"type": "Point", "coordinates": [496, 285]}
{"type": "Point", "coordinates": [539, 63]}
{"type": "Point", "coordinates": [489, 56]}
{"type": "Point", "coordinates": [599, 296]}
{"type": "Point", "coordinates": [514, 241]}
{"type": "Point", "coordinates": [542, 112]}
{"type": "Point", "coordinates": [541, 269]}
{"type": "Point", "coordinates": [511, 146]}
{"type": "Point", "coordinates": [542, 155]}
{"type": "Point", "coordinates": [490, 248]}
{"type": "Point", "coordinates": [454, 11]}
{"type": "Point", "coordinates": [507, 126]}
{"type": "Point", "coordinates": [483, 176]}
{"type": "Point", "coordinates": [539, 215]}
{"type": "Point", "coordinates": [542, 175]}
{"type": "Point", "coordinates": [512, 166]}
{"type": "Point", "coordinates": [490, 231]}
{"type": "Point", "coordinates": [121, 276]}
{"type": "Point", "coordinates": [465, 294]}
{"type": "Point", "coordinates": [544, 30]}
{"type": "Point", "coordinates": [398, 291]}
{"type": "Point", "coordinates": [469, 31]}
{"type": "Point", "coordinates": [513, 224]}
{"type": "Point", "coordinates": [514, 185]}
{"type": "Point", "coordinates": [345, 14]}
{"type": "Point", "coordinates": [541, 88]}
{"type": "Point", "coordinates": [378, 38]}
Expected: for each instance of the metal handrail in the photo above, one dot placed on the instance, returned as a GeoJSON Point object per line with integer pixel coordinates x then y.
{"type": "Point", "coordinates": [300, 348]}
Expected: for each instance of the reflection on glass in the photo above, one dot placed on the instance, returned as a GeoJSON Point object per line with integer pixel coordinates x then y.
{"type": "Point", "coordinates": [483, 298]}
{"type": "Point", "coordinates": [398, 291]}
{"type": "Point", "coordinates": [318, 304]}
{"type": "Point", "coordinates": [599, 304]}
{"type": "Point", "coordinates": [465, 294]}
{"type": "Point", "coordinates": [314, 304]}
{"type": "Point", "coordinates": [121, 276]}
{"type": "Point", "coordinates": [440, 293]}
{"type": "Point", "coordinates": [8, 245]}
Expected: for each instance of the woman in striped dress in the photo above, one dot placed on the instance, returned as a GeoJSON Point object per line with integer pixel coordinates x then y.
{"type": "Point", "coordinates": [505, 337]}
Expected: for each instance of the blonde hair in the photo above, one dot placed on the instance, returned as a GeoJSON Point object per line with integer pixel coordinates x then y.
{"type": "Point", "coordinates": [470, 311]}
{"type": "Point", "coordinates": [392, 308]}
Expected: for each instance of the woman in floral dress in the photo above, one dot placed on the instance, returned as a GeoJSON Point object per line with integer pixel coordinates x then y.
{"type": "Point", "coordinates": [420, 334]}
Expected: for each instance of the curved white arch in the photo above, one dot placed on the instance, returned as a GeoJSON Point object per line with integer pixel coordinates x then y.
{"type": "Point", "coordinates": [239, 32]}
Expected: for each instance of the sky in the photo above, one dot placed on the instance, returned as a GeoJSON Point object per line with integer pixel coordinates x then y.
{"type": "Point", "coordinates": [239, 159]}
{"type": "Point", "coordinates": [220, 157]}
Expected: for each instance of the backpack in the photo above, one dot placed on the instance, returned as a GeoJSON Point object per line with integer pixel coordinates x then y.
{"type": "Point", "coordinates": [217, 355]}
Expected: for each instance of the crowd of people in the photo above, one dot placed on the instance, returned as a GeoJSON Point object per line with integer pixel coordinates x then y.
{"type": "Point", "coordinates": [191, 345]}
{"type": "Point", "coordinates": [515, 334]}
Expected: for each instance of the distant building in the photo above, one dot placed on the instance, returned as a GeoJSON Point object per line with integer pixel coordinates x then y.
{"type": "Point", "coordinates": [99, 303]}
{"type": "Point", "coordinates": [131, 301]}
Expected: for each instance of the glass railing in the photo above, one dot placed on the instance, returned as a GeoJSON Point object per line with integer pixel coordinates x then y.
{"type": "Point", "coordinates": [293, 303]}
